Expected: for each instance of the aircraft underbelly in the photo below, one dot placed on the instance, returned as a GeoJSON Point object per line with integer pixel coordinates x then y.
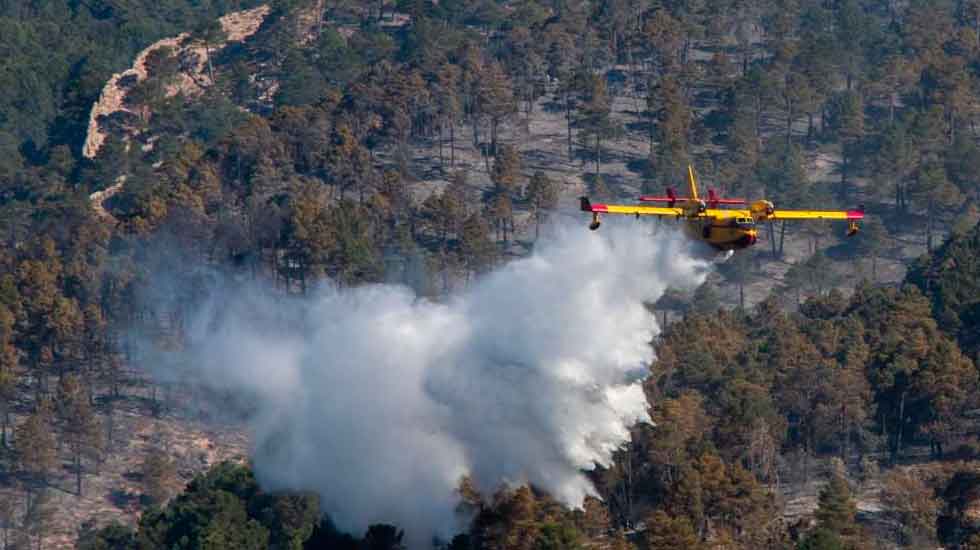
{"type": "Point", "coordinates": [721, 237]}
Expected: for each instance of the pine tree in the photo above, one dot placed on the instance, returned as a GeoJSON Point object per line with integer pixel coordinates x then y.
{"type": "Point", "coordinates": [501, 211]}
{"type": "Point", "coordinates": [210, 34]}
{"type": "Point", "coordinates": [837, 512]}
{"type": "Point", "coordinates": [821, 539]}
{"type": "Point", "coordinates": [449, 106]}
{"type": "Point", "coordinates": [40, 513]}
{"type": "Point", "coordinates": [82, 430]}
{"type": "Point", "coordinates": [8, 366]}
{"type": "Point", "coordinates": [506, 172]}
{"type": "Point", "coordinates": [542, 194]}
{"type": "Point", "coordinates": [477, 250]}
{"type": "Point", "coordinates": [159, 475]}
{"type": "Point", "coordinates": [932, 187]}
{"type": "Point", "coordinates": [673, 124]}
{"type": "Point", "coordinates": [595, 120]}
{"type": "Point", "coordinates": [913, 506]}
{"type": "Point", "coordinates": [8, 520]}
{"type": "Point", "coordinates": [669, 533]}
{"type": "Point", "coordinates": [36, 445]}
{"type": "Point", "coordinates": [496, 100]}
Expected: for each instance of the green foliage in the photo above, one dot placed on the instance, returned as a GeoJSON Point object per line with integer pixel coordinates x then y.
{"type": "Point", "coordinates": [111, 537]}
{"type": "Point", "coordinates": [383, 537]}
{"type": "Point", "coordinates": [666, 533]}
{"type": "Point", "coordinates": [224, 508]}
{"type": "Point", "coordinates": [951, 280]}
{"type": "Point", "coordinates": [821, 539]}
{"type": "Point", "coordinates": [837, 511]}
{"type": "Point", "coordinates": [59, 54]}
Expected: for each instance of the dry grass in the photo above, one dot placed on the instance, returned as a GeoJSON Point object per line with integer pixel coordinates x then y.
{"type": "Point", "coordinates": [113, 493]}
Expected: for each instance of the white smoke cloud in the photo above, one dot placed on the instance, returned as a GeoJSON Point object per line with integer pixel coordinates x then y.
{"type": "Point", "coordinates": [381, 401]}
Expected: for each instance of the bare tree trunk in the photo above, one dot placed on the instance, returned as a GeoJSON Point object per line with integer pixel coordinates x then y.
{"type": "Point", "coordinates": [782, 237]}
{"type": "Point", "coordinates": [493, 137]}
{"type": "Point", "coordinates": [629, 482]}
{"type": "Point", "coordinates": [789, 122]}
{"type": "Point", "coordinates": [568, 124]}
{"type": "Point", "coordinates": [77, 459]}
{"type": "Point", "coordinates": [319, 18]}
{"type": "Point", "coordinates": [772, 239]}
{"type": "Point", "coordinates": [930, 217]}
{"type": "Point", "coordinates": [110, 424]}
{"type": "Point", "coordinates": [806, 462]}
{"type": "Point", "coordinates": [900, 426]}
{"type": "Point", "coordinates": [441, 160]}
{"type": "Point", "coordinates": [598, 155]}
{"type": "Point", "coordinates": [207, 52]}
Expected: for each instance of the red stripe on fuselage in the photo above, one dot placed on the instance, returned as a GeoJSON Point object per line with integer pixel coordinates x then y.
{"type": "Point", "coordinates": [855, 214]}
{"type": "Point", "coordinates": [728, 201]}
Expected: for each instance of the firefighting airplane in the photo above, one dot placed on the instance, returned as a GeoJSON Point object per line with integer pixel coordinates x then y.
{"type": "Point", "coordinates": [723, 229]}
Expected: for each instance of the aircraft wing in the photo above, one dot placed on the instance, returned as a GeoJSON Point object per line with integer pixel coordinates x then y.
{"type": "Point", "coordinates": [817, 214]}
{"type": "Point", "coordinates": [629, 209]}
{"type": "Point", "coordinates": [726, 213]}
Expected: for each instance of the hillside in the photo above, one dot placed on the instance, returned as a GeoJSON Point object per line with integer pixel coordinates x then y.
{"type": "Point", "coordinates": [426, 144]}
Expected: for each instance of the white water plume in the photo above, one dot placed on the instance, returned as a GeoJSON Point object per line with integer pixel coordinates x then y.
{"type": "Point", "coordinates": [381, 401]}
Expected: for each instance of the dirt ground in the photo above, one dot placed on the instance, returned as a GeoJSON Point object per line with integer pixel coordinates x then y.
{"type": "Point", "coordinates": [113, 492]}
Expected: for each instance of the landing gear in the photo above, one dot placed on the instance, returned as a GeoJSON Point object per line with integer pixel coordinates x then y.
{"type": "Point", "coordinates": [595, 221]}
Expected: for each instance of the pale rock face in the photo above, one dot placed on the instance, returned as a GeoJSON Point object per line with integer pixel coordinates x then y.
{"type": "Point", "coordinates": [238, 26]}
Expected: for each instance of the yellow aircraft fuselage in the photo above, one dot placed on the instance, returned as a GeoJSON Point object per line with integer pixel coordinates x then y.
{"type": "Point", "coordinates": [725, 234]}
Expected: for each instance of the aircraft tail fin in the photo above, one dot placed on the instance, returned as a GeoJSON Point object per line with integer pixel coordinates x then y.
{"type": "Point", "coordinates": [691, 179]}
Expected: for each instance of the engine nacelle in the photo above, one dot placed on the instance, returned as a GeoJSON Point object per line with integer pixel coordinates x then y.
{"type": "Point", "coordinates": [761, 209]}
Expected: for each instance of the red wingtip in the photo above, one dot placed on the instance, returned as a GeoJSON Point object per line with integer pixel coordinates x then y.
{"type": "Point", "coordinates": [587, 206]}
{"type": "Point", "coordinates": [856, 214]}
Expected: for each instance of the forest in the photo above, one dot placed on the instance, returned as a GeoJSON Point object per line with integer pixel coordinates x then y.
{"type": "Point", "coordinates": [308, 151]}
